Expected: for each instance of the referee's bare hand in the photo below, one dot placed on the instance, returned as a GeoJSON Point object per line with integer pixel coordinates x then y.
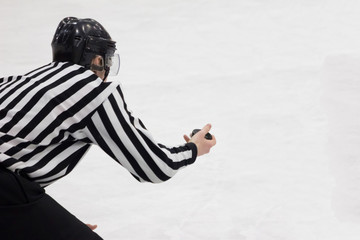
{"type": "Point", "coordinates": [203, 145]}
{"type": "Point", "coordinates": [92, 227]}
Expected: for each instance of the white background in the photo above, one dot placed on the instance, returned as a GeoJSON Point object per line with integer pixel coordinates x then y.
{"type": "Point", "coordinates": [252, 68]}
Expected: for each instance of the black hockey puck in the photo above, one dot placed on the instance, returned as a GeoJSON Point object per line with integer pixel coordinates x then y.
{"type": "Point", "coordinates": [208, 136]}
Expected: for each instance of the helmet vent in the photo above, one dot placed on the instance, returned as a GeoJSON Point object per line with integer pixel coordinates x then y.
{"type": "Point", "coordinates": [77, 40]}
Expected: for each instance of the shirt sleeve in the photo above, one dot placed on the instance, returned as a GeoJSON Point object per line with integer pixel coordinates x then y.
{"type": "Point", "coordinates": [125, 138]}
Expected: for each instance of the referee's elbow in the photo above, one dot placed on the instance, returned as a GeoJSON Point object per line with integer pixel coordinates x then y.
{"type": "Point", "coordinates": [164, 178]}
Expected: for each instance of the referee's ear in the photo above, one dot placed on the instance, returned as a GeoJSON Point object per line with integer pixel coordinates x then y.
{"type": "Point", "coordinates": [97, 66]}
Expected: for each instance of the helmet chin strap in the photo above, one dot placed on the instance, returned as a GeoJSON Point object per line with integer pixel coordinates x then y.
{"type": "Point", "coordinates": [107, 71]}
{"type": "Point", "coordinates": [98, 68]}
{"type": "Point", "coordinates": [94, 67]}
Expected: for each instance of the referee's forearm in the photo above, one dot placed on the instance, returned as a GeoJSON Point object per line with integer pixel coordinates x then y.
{"type": "Point", "coordinates": [125, 139]}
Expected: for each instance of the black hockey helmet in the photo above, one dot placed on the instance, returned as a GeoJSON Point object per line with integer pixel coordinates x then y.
{"type": "Point", "coordinates": [80, 40]}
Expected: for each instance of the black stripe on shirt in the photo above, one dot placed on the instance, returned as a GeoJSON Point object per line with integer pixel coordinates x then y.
{"type": "Point", "coordinates": [70, 112]}
{"type": "Point", "coordinates": [39, 68]}
{"type": "Point", "coordinates": [155, 148]}
{"type": "Point", "coordinates": [53, 103]}
{"type": "Point", "coordinates": [33, 101]}
{"type": "Point", "coordinates": [4, 111]}
{"type": "Point", "coordinates": [70, 162]}
{"type": "Point", "coordinates": [9, 83]}
{"type": "Point", "coordinates": [50, 155]}
{"type": "Point", "coordinates": [61, 118]}
{"type": "Point", "coordinates": [112, 133]}
{"type": "Point", "coordinates": [135, 141]}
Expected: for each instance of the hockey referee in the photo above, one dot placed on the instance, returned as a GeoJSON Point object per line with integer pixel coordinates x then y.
{"type": "Point", "coordinates": [50, 117]}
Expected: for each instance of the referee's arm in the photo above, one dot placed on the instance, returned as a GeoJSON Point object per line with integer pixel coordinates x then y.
{"type": "Point", "coordinates": [125, 139]}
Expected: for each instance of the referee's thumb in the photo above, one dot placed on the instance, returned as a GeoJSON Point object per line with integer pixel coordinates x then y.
{"type": "Point", "coordinates": [206, 129]}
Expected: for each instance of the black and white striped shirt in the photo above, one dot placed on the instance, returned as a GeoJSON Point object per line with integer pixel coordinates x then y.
{"type": "Point", "coordinates": [50, 117]}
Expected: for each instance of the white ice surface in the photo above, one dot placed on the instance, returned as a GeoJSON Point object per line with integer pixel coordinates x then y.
{"type": "Point", "coordinates": [253, 69]}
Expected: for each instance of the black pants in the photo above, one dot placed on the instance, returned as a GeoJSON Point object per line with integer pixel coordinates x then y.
{"type": "Point", "coordinates": [28, 213]}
